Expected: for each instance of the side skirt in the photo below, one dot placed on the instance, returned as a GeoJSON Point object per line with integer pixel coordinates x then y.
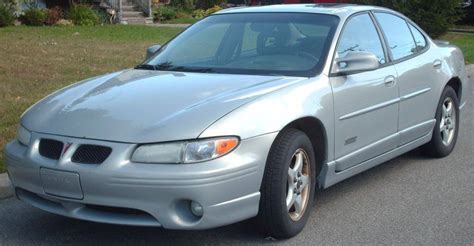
{"type": "Point", "coordinates": [329, 176]}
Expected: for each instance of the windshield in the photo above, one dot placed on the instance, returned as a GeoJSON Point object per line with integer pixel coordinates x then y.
{"type": "Point", "coordinates": [289, 44]}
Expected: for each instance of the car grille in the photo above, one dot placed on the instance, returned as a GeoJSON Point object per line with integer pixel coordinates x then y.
{"type": "Point", "coordinates": [91, 154]}
{"type": "Point", "coordinates": [50, 148]}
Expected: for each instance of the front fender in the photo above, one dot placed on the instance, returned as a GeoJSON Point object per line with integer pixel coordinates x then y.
{"type": "Point", "coordinates": [272, 112]}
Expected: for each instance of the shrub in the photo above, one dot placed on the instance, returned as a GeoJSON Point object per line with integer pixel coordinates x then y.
{"type": "Point", "coordinates": [199, 13]}
{"type": "Point", "coordinates": [165, 13]}
{"type": "Point", "coordinates": [212, 10]}
{"type": "Point", "coordinates": [54, 15]}
{"type": "Point", "coordinates": [10, 5]}
{"type": "Point", "coordinates": [6, 16]}
{"type": "Point", "coordinates": [182, 14]}
{"type": "Point", "coordinates": [34, 16]}
{"type": "Point", "coordinates": [435, 17]}
{"type": "Point", "coordinates": [104, 18]}
{"type": "Point", "coordinates": [186, 5]}
{"type": "Point", "coordinates": [82, 15]}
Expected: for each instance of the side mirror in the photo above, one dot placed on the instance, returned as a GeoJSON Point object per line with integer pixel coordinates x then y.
{"type": "Point", "coordinates": [355, 62]}
{"type": "Point", "coordinates": [152, 50]}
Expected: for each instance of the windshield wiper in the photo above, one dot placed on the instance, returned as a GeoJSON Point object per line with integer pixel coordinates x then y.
{"type": "Point", "coordinates": [167, 66]}
{"type": "Point", "coordinates": [145, 67]}
{"type": "Point", "coordinates": [190, 69]}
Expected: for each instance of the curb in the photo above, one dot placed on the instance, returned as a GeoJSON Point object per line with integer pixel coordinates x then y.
{"type": "Point", "coordinates": [6, 189]}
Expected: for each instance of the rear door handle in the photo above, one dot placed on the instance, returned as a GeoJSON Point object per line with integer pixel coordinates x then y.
{"type": "Point", "coordinates": [437, 64]}
{"type": "Point", "coordinates": [390, 81]}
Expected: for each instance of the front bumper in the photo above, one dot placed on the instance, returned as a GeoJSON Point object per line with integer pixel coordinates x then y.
{"type": "Point", "coordinates": [119, 191]}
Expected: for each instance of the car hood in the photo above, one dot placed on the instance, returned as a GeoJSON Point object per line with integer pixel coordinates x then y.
{"type": "Point", "coordinates": [142, 106]}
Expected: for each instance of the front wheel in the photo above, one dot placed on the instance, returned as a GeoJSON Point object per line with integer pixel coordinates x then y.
{"type": "Point", "coordinates": [288, 185]}
{"type": "Point", "coordinates": [445, 133]}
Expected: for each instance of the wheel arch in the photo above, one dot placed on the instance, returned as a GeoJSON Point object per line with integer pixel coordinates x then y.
{"type": "Point", "coordinates": [316, 132]}
{"type": "Point", "coordinates": [456, 84]}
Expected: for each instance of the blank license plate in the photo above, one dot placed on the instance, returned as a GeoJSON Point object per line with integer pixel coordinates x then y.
{"type": "Point", "coordinates": [61, 183]}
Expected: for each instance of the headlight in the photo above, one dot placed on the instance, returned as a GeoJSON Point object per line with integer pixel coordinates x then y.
{"type": "Point", "coordinates": [23, 135]}
{"type": "Point", "coordinates": [186, 151]}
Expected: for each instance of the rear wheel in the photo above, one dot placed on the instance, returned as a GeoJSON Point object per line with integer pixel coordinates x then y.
{"type": "Point", "coordinates": [445, 132]}
{"type": "Point", "coordinates": [288, 185]}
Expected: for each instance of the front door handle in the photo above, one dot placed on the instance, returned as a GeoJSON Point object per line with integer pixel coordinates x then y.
{"type": "Point", "coordinates": [390, 81]}
{"type": "Point", "coordinates": [437, 64]}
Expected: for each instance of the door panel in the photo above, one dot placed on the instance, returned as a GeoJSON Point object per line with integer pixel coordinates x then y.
{"type": "Point", "coordinates": [366, 112]}
{"type": "Point", "coordinates": [365, 104]}
{"type": "Point", "coordinates": [417, 70]}
{"type": "Point", "coordinates": [417, 76]}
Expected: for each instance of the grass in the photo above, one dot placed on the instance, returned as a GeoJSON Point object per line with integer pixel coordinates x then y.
{"type": "Point", "coordinates": [463, 41]}
{"type": "Point", "coordinates": [35, 61]}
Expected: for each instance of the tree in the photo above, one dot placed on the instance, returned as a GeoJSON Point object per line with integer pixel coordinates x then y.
{"type": "Point", "coordinates": [434, 16]}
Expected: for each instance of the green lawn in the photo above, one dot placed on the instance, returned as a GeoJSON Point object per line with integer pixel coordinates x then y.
{"type": "Point", "coordinates": [35, 61]}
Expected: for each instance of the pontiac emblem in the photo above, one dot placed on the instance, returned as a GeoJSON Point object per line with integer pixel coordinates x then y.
{"type": "Point", "coordinates": [66, 147]}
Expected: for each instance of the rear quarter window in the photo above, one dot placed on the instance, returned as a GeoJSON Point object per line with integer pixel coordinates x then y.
{"type": "Point", "coordinates": [420, 40]}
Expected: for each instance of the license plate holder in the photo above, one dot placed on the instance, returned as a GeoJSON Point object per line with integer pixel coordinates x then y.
{"type": "Point", "coordinates": [61, 183]}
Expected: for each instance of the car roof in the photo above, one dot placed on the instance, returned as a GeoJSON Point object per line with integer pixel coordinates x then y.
{"type": "Point", "coordinates": [339, 9]}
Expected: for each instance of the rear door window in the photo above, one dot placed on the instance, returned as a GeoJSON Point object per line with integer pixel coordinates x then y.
{"type": "Point", "coordinates": [399, 37]}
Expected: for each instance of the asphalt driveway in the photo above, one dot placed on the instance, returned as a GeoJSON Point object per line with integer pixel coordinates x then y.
{"type": "Point", "coordinates": [409, 200]}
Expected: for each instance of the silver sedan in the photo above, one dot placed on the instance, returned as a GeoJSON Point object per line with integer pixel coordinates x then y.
{"type": "Point", "coordinates": [242, 115]}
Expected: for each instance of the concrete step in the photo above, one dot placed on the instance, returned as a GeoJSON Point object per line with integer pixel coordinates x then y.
{"type": "Point", "coordinates": [132, 14]}
{"type": "Point", "coordinates": [129, 8]}
{"type": "Point", "coordinates": [137, 21]}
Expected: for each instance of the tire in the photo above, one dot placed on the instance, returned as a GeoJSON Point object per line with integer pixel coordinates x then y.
{"type": "Point", "coordinates": [274, 218]}
{"type": "Point", "coordinates": [442, 142]}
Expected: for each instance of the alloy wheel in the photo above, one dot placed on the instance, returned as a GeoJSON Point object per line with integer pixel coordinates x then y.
{"type": "Point", "coordinates": [447, 125]}
{"type": "Point", "coordinates": [299, 180]}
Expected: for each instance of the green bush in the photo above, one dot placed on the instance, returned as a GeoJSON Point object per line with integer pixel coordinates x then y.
{"type": "Point", "coordinates": [164, 13]}
{"type": "Point", "coordinates": [183, 14]}
{"type": "Point", "coordinates": [82, 15]}
{"type": "Point", "coordinates": [104, 18]}
{"type": "Point", "coordinates": [10, 5]}
{"type": "Point", "coordinates": [212, 10]}
{"type": "Point", "coordinates": [6, 16]}
{"type": "Point", "coordinates": [200, 13]}
{"type": "Point", "coordinates": [34, 16]}
{"type": "Point", "coordinates": [434, 16]}
{"type": "Point", "coordinates": [187, 5]}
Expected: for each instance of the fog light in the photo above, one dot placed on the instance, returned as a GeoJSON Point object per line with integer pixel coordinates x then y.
{"type": "Point", "coordinates": [196, 209]}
